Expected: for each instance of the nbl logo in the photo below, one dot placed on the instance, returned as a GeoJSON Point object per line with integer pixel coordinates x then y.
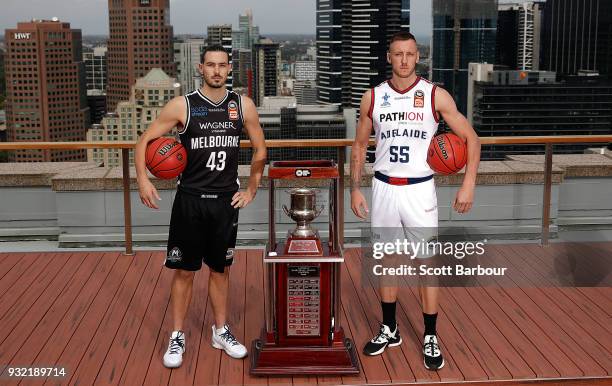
{"type": "Point", "coordinates": [303, 173]}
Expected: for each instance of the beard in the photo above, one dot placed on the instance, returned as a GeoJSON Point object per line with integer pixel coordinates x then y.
{"type": "Point", "coordinates": [212, 83]}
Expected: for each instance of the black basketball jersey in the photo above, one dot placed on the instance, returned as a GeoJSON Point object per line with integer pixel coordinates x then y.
{"type": "Point", "coordinates": [211, 137]}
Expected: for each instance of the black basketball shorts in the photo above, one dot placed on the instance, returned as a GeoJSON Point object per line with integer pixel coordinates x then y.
{"type": "Point", "coordinates": [202, 228]}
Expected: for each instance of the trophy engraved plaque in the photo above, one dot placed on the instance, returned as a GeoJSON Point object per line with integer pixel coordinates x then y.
{"type": "Point", "coordinates": [303, 330]}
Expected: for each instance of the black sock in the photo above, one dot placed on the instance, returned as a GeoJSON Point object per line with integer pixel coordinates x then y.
{"type": "Point", "coordinates": [388, 310]}
{"type": "Point", "coordinates": [430, 323]}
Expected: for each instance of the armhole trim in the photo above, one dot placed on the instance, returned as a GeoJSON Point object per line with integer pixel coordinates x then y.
{"type": "Point", "coordinates": [188, 116]}
{"type": "Point", "coordinates": [371, 110]}
{"type": "Point", "coordinates": [433, 104]}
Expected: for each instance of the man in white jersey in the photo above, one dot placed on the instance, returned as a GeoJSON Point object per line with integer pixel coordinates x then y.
{"type": "Point", "coordinates": [404, 112]}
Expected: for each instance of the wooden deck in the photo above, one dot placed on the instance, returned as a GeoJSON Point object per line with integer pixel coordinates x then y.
{"type": "Point", "coordinates": [105, 318]}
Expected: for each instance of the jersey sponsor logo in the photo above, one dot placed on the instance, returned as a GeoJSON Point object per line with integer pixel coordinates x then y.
{"type": "Point", "coordinates": [216, 125]}
{"type": "Point", "coordinates": [419, 98]}
{"type": "Point", "coordinates": [199, 111]}
{"type": "Point", "coordinates": [386, 101]}
{"type": "Point", "coordinates": [397, 98]}
{"type": "Point", "coordinates": [401, 116]}
{"type": "Point", "coordinates": [302, 172]}
{"type": "Point", "coordinates": [175, 255]}
{"type": "Point", "coordinates": [232, 110]}
{"type": "Point", "coordinates": [215, 141]}
{"type": "Point", "coordinates": [412, 133]}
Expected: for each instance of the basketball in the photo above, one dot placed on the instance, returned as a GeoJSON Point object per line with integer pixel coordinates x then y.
{"type": "Point", "coordinates": [447, 154]}
{"type": "Point", "coordinates": [166, 158]}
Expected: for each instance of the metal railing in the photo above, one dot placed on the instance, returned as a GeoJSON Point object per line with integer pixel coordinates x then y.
{"type": "Point", "coordinates": [340, 145]}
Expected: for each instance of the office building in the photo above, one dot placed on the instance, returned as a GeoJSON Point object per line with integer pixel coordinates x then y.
{"type": "Point", "coordinates": [46, 96]}
{"type": "Point", "coordinates": [305, 92]}
{"type": "Point", "coordinates": [518, 35]}
{"type": "Point", "coordinates": [352, 42]}
{"type": "Point", "coordinates": [242, 68]}
{"type": "Point", "coordinates": [95, 68]}
{"type": "Point", "coordinates": [464, 31]}
{"type": "Point", "coordinates": [187, 56]}
{"type": "Point", "coordinates": [266, 72]}
{"type": "Point", "coordinates": [132, 117]}
{"type": "Point", "coordinates": [521, 103]}
{"type": "Point", "coordinates": [283, 118]}
{"type": "Point", "coordinates": [577, 35]}
{"type": "Point", "coordinates": [305, 70]}
{"type": "Point", "coordinates": [222, 34]}
{"type": "Point", "coordinates": [140, 39]}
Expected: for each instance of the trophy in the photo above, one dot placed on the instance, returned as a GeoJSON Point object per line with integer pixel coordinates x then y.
{"type": "Point", "coordinates": [303, 239]}
{"type": "Point", "coordinates": [303, 326]}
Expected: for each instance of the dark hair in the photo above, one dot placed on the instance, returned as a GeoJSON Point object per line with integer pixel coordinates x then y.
{"type": "Point", "coordinates": [213, 48]}
{"type": "Point", "coordinates": [401, 35]}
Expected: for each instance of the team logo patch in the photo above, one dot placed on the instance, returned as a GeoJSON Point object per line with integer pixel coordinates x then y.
{"type": "Point", "coordinates": [419, 98]}
{"type": "Point", "coordinates": [229, 254]}
{"type": "Point", "coordinates": [175, 255]}
{"type": "Point", "coordinates": [232, 110]}
{"type": "Point", "coordinates": [386, 101]}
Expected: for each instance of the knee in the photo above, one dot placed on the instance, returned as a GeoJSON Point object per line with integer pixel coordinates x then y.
{"type": "Point", "coordinates": [184, 275]}
{"type": "Point", "coordinates": [219, 276]}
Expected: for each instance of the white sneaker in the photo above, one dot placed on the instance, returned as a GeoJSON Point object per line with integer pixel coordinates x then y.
{"type": "Point", "coordinates": [176, 348]}
{"type": "Point", "coordinates": [226, 341]}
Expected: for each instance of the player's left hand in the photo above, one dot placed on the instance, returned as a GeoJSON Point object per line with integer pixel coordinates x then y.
{"type": "Point", "coordinates": [464, 199]}
{"type": "Point", "coordinates": [242, 198]}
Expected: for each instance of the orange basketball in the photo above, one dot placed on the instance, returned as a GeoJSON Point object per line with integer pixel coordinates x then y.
{"type": "Point", "coordinates": [447, 154]}
{"type": "Point", "coordinates": [166, 158]}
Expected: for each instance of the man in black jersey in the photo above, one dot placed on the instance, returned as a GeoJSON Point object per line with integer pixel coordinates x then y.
{"type": "Point", "coordinates": [204, 218]}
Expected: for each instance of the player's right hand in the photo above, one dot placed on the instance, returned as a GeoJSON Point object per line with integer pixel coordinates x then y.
{"type": "Point", "coordinates": [359, 204]}
{"type": "Point", "coordinates": [148, 194]}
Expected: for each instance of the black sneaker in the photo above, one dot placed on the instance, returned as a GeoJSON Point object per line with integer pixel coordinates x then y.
{"type": "Point", "coordinates": [385, 338]}
{"type": "Point", "coordinates": [432, 356]}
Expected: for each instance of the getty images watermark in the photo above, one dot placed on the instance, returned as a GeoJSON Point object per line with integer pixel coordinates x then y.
{"type": "Point", "coordinates": [429, 249]}
{"type": "Point", "coordinates": [476, 257]}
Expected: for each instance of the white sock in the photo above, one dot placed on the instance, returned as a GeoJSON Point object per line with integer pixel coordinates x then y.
{"type": "Point", "coordinates": [220, 331]}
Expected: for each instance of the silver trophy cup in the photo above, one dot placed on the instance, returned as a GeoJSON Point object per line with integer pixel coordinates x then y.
{"type": "Point", "coordinates": [303, 211]}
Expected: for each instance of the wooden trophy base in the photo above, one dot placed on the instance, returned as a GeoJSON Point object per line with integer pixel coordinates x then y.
{"type": "Point", "coordinates": [271, 359]}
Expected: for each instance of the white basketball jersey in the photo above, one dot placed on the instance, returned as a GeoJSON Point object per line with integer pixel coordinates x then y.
{"type": "Point", "coordinates": [404, 122]}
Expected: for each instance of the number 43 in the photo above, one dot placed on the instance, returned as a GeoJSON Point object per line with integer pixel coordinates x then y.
{"type": "Point", "coordinates": [216, 161]}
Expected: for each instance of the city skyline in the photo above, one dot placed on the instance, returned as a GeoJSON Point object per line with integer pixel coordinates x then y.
{"type": "Point", "coordinates": [91, 16]}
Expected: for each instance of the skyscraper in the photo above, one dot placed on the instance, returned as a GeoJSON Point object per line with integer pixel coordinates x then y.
{"type": "Point", "coordinates": [46, 96]}
{"type": "Point", "coordinates": [222, 34]}
{"type": "Point", "coordinates": [577, 35]}
{"type": "Point", "coordinates": [187, 56]}
{"type": "Point", "coordinates": [352, 43]}
{"type": "Point", "coordinates": [266, 73]}
{"type": "Point", "coordinates": [95, 68]}
{"type": "Point", "coordinates": [515, 103]}
{"type": "Point", "coordinates": [464, 31]}
{"type": "Point", "coordinates": [140, 39]}
{"type": "Point", "coordinates": [518, 35]}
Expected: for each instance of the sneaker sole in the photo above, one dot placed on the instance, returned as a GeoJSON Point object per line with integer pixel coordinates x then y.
{"type": "Point", "coordinates": [431, 368]}
{"type": "Point", "coordinates": [396, 343]}
{"type": "Point", "coordinates": [172, 366]}
{"type": "Point", "coordinates": [219, 347]}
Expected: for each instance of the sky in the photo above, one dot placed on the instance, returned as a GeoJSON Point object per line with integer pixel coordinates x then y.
{"type": "Point", "coordinates": [192, 16]}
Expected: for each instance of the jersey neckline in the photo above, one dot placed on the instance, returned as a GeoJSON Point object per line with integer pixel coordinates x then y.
{"type": "Point", "coordinates": [211, 102]}
{"type": "Point", "coordinates": [418, 78]}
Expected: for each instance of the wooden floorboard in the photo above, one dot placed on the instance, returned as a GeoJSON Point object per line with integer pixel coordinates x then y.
{"type": "Point", "coordinates": [123, 316]}
{"type": "Point", "coordinates": [106, 317]}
